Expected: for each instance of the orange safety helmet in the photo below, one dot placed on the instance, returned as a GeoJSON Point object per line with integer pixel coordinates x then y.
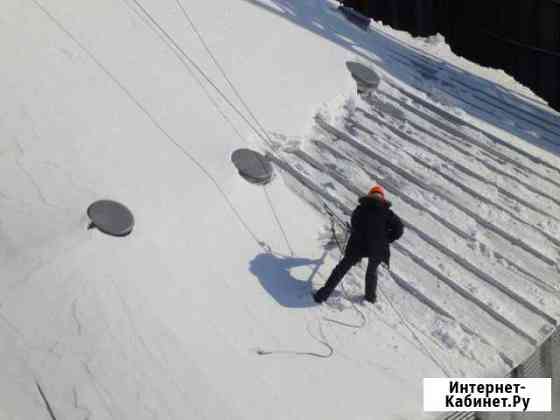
{"type": "Point", "coordinates": [377, 189]}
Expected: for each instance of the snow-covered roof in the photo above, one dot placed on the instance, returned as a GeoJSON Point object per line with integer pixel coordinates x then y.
{"type": "Point", "coordinates": [204, 310]}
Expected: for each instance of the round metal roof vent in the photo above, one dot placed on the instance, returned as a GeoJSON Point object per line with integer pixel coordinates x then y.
{"type": "Point", "coordinates": [367, 78]}
{"type": "Point", "coordinates": [110, 217]}
{"type": "Point", "coordinates": [252, 166]}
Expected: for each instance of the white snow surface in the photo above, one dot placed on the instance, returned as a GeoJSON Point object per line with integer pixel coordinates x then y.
{"type": "Point", "coordinates": [168, 322]}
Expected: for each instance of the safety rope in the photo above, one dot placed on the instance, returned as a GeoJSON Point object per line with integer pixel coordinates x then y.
{"type": "Point", "coordinates": [220, 68]}
{"type": "Point", "coordinates": [321, 340]}
{"type": "Point", "coordinates": [403, 320]}
{"type": "Point", "coordinates": [344, 292]}
{"type": "Point", "coordinates": [176, 48]}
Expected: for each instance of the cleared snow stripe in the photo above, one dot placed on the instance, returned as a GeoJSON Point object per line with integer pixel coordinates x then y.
{"type": "Point", "coordinates": [552, 304]}
{"type": "Point", "coordinates": [460, 182]}
{"type": "Point", "coordinates": [478, 169]}
{"type": "Point", "coordinates": [469, 317]}
{"type": "Point", "coordinates": [428, 289]}
{"type": "Point", "coordinates": [405, 198]}
{"type": "Point", "coordinates": [524, 318]}
{"type": "Point", "coordinates": [434, 64]}
{"type": "Point", "coordinates": [537, 236]}
{"type": "Point", "coordinates": [546, 116]}
{"type": "Point", "coordinates": [514, 195]}
{"type": "Point", "coordinates": [456, 249]}
{"type": "Point", "coordinates": [510, 199]}
{"type": "Point", "coordinates": [529, 184]}
{"type": "Point", "coordinates": [476, 324]}
{"type": "Point", "coordinates": [425, 185]}
{"type": "Point", "coordinates": [475, 314]}
{"type": "Point", "coordinates": [431, 74]}
{"type": "Point", "coordinates": [519, 160]}
{"type": "Point", "coordinates": [451, 121]}
{"type": "Point", "coordinates": [545, 125]}
{"type": "Point", "coordinates": [501, 249]}
{"type": "Point", "coordinates": [519, 114]}
{"type": "Point", "coordinates": [305, 181]}
{"type": "Point", "coordinates": [481, 106]}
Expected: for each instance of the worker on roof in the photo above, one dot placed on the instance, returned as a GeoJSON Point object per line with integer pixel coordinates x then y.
{"type": "Point", "coordinates": [374, 226]}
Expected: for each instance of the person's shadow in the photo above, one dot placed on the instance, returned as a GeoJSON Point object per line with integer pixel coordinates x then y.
{"type": "Point", "coordinates": [273, 272]}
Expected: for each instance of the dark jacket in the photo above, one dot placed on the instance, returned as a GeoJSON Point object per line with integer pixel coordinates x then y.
{"type": "Point", "coordinates": [374, 227]}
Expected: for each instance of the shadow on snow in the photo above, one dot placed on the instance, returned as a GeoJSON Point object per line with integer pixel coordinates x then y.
{"type": "Point", "coordinates": [274, 275]}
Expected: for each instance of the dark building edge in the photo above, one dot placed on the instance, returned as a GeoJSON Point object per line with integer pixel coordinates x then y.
{"type": "Point", "coordinates": [521, 37]}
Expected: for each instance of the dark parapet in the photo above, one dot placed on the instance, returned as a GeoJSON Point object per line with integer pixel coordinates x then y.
{"type": "Point", "coordinates": [110, 217]}
{"type": "Point", "coordinates": [355, 17]}
{"type": "Point", "coordinates": [252, 166]}
{"type": "Point", "coordinates": [519, 36]}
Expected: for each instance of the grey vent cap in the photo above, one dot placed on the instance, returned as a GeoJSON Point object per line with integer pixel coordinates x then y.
{"type": "Point", "coordinates": [365, 76]}
{"type": "Point", "coordinates": [252, 166]}
{"type": "Point", "coordinates": [110, 217]}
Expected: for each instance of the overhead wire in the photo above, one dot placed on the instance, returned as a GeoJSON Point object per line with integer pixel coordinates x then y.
{"type": "Point", "coordinates": [149, 115]}
{"type": "Point", "coordinates": [245, 105]}
{"type": "Point", "coordinates": [190, 71]}
{"type": "Point", "coordinates": [178, 49]}
{"type": "Point", "coordinates": [220, 67]}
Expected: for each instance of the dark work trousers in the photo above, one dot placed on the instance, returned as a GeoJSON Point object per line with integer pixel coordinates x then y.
{"type": "Point", "coordinates": [342, 268]}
